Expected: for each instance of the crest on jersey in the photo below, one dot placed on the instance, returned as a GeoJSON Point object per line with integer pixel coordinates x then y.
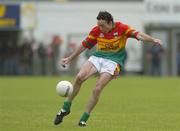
{"type": "Point", "coordinates": [101, 35]}
{"type": "Point", "coordinates": [115, 34]}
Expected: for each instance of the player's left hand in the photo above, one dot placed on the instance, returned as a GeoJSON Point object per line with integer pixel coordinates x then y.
{"type": "Point", "coordinates": [158, 41]}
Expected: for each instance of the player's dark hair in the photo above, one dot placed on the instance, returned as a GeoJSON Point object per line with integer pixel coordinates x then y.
{"type": "Point", "coordinates": [104, 15]}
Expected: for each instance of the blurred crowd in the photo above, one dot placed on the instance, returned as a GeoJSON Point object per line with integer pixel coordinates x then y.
{"type": "Point", "coordinates": [29, 57]}
{"type": "Point", "coordinates": [33, 58]}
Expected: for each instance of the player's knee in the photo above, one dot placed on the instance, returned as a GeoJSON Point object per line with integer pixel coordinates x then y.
{"type": "Point", "coordinates": [80, 78]}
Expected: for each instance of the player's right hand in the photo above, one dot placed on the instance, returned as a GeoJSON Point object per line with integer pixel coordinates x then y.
{"type": "Point", "coordinates": [65, 61]}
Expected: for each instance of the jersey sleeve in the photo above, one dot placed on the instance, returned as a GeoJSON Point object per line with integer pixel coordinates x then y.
{"type": "Point", "coordinates": [91, 39]}
{"type": "Point", "coordinates": [130, 32]}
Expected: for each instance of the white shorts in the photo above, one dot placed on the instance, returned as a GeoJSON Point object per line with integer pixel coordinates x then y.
{"type": "Point", "coordinates": [103, 65]}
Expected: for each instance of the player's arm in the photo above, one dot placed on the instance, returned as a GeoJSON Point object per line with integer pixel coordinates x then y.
{"type": "Point", "coordinates": [130, 32]}
{"type": "Point", "coordinates": [144, 37]}
{"type": "Point", "coordinates": [89, 42]}
{"type": "Point", "coordinates": [76, 53]}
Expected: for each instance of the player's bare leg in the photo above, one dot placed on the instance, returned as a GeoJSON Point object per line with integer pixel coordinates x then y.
{"type": "Point", "coordinates": [100, 84]}
{"type": "Point", "coordinates": [86, 71]}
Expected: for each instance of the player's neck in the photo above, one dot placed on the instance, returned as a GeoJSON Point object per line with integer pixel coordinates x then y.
{"type": "Point", "coordinates": [113, 26]}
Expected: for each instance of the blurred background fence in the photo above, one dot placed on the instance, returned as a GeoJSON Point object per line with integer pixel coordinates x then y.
{"type": "Point", "coordinates": [34, 35]}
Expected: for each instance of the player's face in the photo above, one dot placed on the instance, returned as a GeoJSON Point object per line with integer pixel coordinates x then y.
{"type": "Point", "coordinates": [104, 26]}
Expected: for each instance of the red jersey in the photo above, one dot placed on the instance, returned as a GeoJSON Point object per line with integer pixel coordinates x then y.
{"type": "Point", "coordinates": [109, 45]}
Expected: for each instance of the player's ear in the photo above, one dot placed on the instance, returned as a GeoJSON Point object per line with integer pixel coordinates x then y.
{"type": "Point", "coordinates": [110, 23]}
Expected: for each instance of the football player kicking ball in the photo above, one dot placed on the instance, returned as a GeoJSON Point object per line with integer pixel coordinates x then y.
{"type": "Point", "coordinates": [110, 39]}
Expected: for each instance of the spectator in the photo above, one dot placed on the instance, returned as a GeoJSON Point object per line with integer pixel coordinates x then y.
{"type": "Point", "coordinates": [56, 42]}
{"type": "Point", "coordinates": [11, 61]}
{"type": "Point", "coordinates": [2, 50]}
{"type": "Point", "coordinates": [155, 58]}
{"type": "Point", "coordinates": [42, 58]}
{"type": "Point", "coordinates": [26, 54]}
{"type": "Point", "coordinates": [73, 65]}
{"type": "Point", "coordinates": [178, 59]}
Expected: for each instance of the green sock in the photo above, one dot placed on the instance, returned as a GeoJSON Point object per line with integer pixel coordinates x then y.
{"type": "Point", "coordinates": [67, 105]}
{"type": "Point", "coordinates": [85, 117]}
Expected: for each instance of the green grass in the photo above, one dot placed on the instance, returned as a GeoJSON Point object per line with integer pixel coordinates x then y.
{"type": "Point", "coordinates": [126, 104]}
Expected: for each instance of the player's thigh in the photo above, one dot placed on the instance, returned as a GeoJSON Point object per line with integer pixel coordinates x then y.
{"type": "Point", "coordinates": [87, 70]}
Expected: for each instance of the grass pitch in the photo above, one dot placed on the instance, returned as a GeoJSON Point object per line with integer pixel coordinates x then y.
{"type": "Point", "coordinates": [126, 104]}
